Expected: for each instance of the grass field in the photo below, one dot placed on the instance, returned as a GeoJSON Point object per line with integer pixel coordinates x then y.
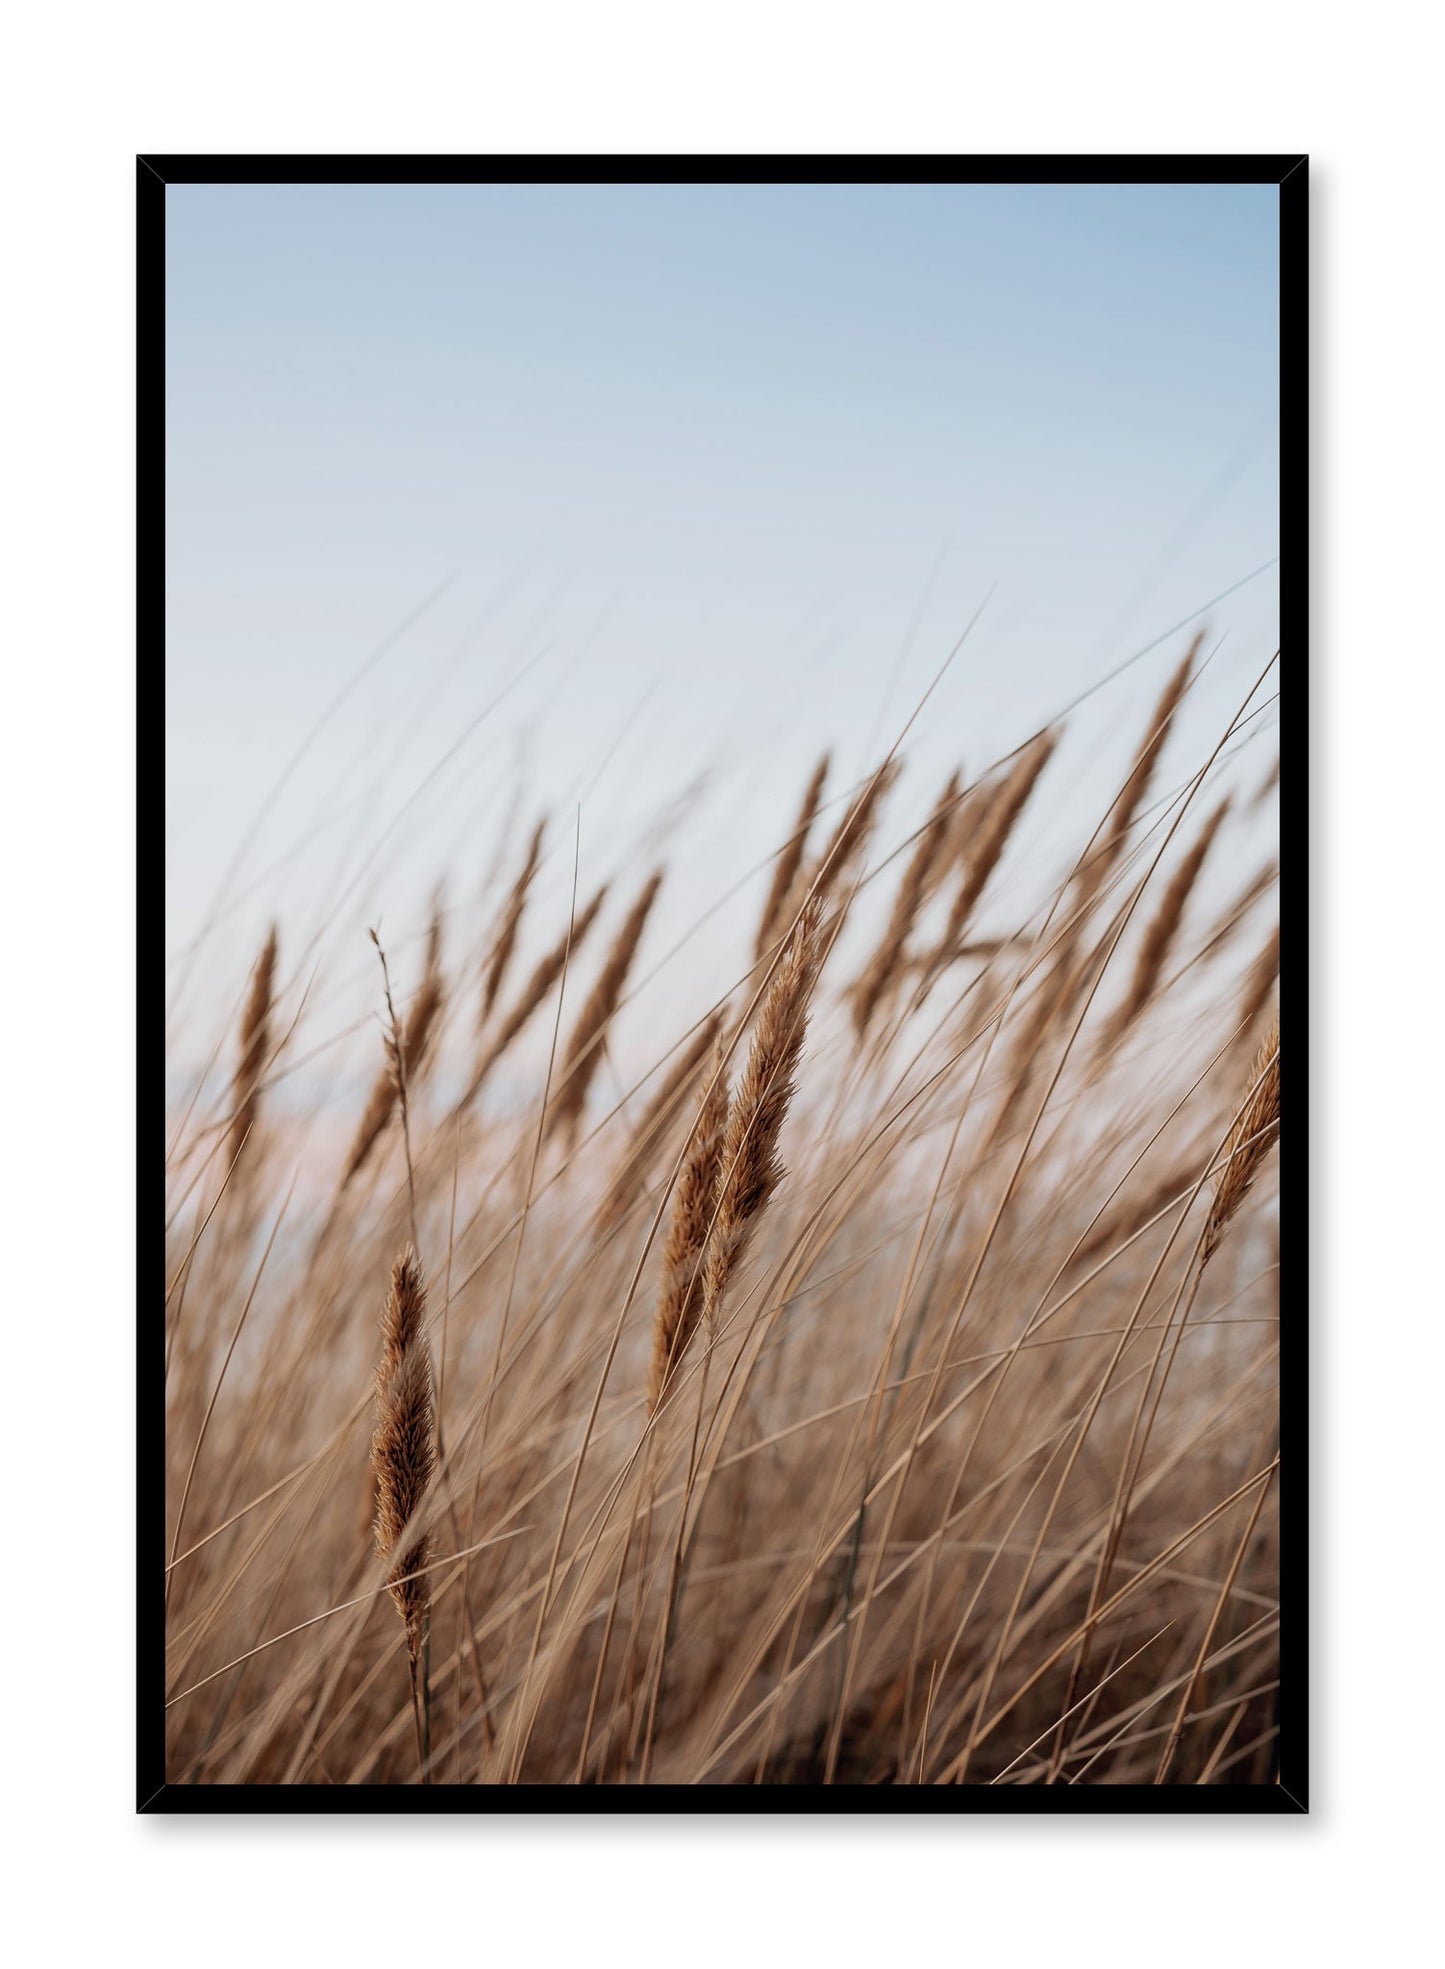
{"type": "Point", "coordinates": [877, 1387]}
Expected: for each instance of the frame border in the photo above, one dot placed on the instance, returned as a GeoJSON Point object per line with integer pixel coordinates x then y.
{"type": "Point", "coordinates": [1289, 1793]}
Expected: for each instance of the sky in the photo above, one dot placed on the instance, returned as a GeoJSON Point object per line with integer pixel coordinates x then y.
{"type": "Point", "coordinates": [611, 487]}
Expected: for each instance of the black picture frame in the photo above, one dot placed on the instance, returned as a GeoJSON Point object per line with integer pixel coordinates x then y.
{"type": "Point", "coordinates": [1289, 1794]}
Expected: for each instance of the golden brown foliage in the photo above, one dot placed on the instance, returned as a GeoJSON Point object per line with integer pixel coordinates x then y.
{"type": "Point", "coordinates": [694, 1210]}
{"type": "Point", "coordinates": [789, 861]}
{"type": "Point", "coordinates": [1250, 1141]}
{"type": "Point", "coordinates": [584, 1050]}
{"type": "Point", "coordinates": [1163, 928]}
{"type": "Point", "coordinates": [1099, 863]}
{"type": "Point", "coordinates": [656, 1118]}
{"type": "Point", "coordinates": [415, 1036]}
{"type": "Point", "coordinates": [1260, 982]}
{"type": "Point", "coordinates": [887, 960]}
{"type": "Point", "coordinates": [945, 1456]}
{"type": "Point", "coordinates": [546, 974]}
{"type": "Point", "coordinates": [834, 866]}
{"type": "Point", "coordinates": [255, 1044]}
{"type": "Point", "coordinates": [403, 1449]}
{"type": "Point", "coordinates": [982, 855]}
{"type": "Point", "coordinates": [506, 942]}
{"type": "Point", "coordinates": [751, 1166]}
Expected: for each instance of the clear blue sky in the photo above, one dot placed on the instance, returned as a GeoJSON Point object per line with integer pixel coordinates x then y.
{"type": "Point", "coordinates": [736, 464]}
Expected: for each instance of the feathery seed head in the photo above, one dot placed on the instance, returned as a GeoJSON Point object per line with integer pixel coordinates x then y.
{"type": "Point", "coordinates": [694, 1207]}
{"type": "Point", "coordinates": [751, 1166]}
{"type": "Point", "coordinates": [1250, 1139]}
{"type": "Point", "coordinates": [585, 1050]}
{"type": "Point", "coordinates": [790, 860]}
{"type": "Point", "coordinates": [506, 941]}
{"type": "Point", "coordinates": [255, 1045]}
{"type": "Point", "coordinates": [403, 1450]}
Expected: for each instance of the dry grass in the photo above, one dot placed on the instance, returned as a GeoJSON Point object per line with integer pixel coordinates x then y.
{"type": "Point", "coordinates": [984, 849]}
{"type": "Point", "coordinates": [255, 1045]}
{"type": "Point", "coordinates": [694, 1214]}
{"type": "Point", "coordinates": [1250, 1140]}
{"type": "Point", "coordinates": [1159, 937]}
{"type": "Point", "coordinates": [549, 969]}
{"type": "Point", "coordinates": [750, 1167]}
{"type": "Point", "coordinates": [919, 877]}
{"type": "Point", "coordinates": [790, 860]}
{"type": "Point", "coordinates": [403, 1455]}
{"type": "Point", "coordinates": [403, 1063]}
{"type": "Point", "coordinates": [506, 942]}
{"type": "Point", "coordinates": [654, 1121]}
{"type": "Point", "coordinates": [584, 1050]}
{"type": "Point", "coordinates": [403, 1450]}
{"type": "Point", "coordinates": [864, 1375]}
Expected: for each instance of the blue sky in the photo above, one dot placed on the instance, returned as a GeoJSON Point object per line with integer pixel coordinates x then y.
{"type": "Point", "coordinates": [730, 467]}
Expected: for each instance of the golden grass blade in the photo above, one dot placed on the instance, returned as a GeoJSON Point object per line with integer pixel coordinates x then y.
{"type": "Point", "coordinates": [1250, 1141]}
{"type": "Point", "coordinates": [584, 1051]}
{"type": "Point", "coordinates": [1161, 931]}
{"type": "Point", "coordinates": [407, 1060]}
{"type": "Point", "coordinates": [403, 1448]}
{"type": "Point", "coordinates": [789, 861]}
{"type": "Point", "coordinates": [751, 1166]}
{"type": "Point", "coordinates": [506, 941]}
{"type": "Point", "coordinates": [984, 854]}
{"type": "Point", "coordinates": [549, 969]}
{"type": "Point", "coordinates": [887, 960]}
{"type": "Point", "coordinates": [694, 1208]}
{"type": "Point", "coordinates": [255, 1046]}
{"type": "Point", "coordinates": [1099, 864]}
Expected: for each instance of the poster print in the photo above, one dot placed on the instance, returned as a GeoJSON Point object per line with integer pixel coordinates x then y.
{"type": "Point", "coordinates": [722, 798]}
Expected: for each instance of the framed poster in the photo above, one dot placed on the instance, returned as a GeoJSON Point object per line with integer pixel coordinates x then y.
{"type": "Point", "coordinates": [726, 1234]}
